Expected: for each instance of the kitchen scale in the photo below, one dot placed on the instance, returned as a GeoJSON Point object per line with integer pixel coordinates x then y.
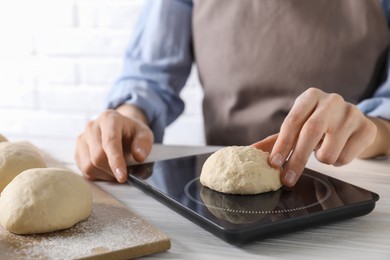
{"type": "Point", "coordinates": [316, 199]}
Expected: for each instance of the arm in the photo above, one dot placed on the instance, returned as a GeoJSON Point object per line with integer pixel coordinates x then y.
{"type": "Point", "coordinates": [157, 63]}
{"type": "Point", "coordinates": [146, 96]}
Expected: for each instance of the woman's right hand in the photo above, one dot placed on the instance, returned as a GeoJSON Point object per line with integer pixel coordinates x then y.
{"type": "Point", "coordinates": [105, 143]}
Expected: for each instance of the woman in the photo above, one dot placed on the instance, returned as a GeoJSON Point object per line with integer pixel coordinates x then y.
{"type": "Point", "coordinates": [299, 76]}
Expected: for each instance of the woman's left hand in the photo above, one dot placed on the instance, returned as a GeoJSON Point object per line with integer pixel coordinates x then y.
{"type": "Point", "coordinates": [334, 129]}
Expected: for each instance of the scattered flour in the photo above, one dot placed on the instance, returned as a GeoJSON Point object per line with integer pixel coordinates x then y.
{"type": "Point", "coordinates": [106, 230]}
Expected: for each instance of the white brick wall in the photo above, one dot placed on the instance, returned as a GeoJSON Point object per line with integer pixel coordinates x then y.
{"type": "Point", "coordinates": [59, 58]}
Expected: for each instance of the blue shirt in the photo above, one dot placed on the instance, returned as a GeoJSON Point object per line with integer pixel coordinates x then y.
{"type": "Point", "coordinates": [159, 59]}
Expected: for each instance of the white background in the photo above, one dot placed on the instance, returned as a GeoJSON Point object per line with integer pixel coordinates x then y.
{"type": "Point", "coordinates": [59, 58]}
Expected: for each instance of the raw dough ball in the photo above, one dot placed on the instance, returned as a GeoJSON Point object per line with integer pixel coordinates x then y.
{"type": "Point", "coordinates": [240, 170]}
{"type": "Point", "coordinates": [3, 139]}
{"type": "Point", "coordinates": [16, 157]}
{"type": "Point", "coordinates": [44, 200]}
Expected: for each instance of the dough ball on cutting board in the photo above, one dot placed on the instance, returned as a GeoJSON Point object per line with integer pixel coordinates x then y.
{"type": "Point", "coordinates": [16, 157]}
{"type": "Point", "coordinates": [3, 139]}
{"type": "Point", "coordinates": [240, 170]}
{"type": "Point", "coordinates": [43, 200]}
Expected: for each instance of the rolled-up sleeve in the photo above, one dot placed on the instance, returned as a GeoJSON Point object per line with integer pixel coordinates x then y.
{"type": "Point", "coordinates": [157, 63]}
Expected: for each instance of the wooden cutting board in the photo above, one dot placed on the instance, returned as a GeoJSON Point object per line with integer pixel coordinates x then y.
{"type": "Point", "coordinates": [111, 232]}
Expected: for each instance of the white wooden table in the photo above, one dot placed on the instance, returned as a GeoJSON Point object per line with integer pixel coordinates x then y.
{"type": "Point", "coordinates": [366, 237]}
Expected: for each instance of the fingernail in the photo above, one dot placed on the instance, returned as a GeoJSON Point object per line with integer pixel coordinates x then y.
{"type": "Point", "coordinates": [290, 177]}
{"type": "Point", "coordinates": [277, 160]}
{"type": "Point", "coordinates": [119, 174]}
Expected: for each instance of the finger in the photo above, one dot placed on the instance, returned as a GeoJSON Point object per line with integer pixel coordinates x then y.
{"type": "Point", "coordinates": [337, 142]}
{"type": "Point", "coordinates": [96, 152]}
{"type": "Point", "coordinates": [142, 143]}
{"type": "Point", "coordinates": [302, 109]}
{"type": "Point", "coordinates": [310, 136]}
{"type": "Point", "coordinates": [84, 163]}
{"type": "Point", "coordinates": [331, 147]}
{"type": "Point", "coordinates": [355, 145]}
{"type": "Point", "coordinates": [111, 133]}
{"type": "Point", "coordinates": [339, 130]}
{"type": "Point", "coordinates": [267, 143]}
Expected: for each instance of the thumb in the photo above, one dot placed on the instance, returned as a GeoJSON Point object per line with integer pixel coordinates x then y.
{"type": "Point", "coordinates": [142, 144]}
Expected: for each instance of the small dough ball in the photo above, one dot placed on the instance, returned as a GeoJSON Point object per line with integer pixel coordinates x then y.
{"type": "Point", "coordinates": [16, 157]}
{"type": "Point", "coordinates": [3, 139]}
{"type": "Point", "coordinates": [240, 170]}
{"type": "Point", "coordinates": [44, 200]}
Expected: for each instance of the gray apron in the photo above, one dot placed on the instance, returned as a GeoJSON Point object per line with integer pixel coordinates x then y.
{"type": "Point", "coordinates": [255, 57]}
